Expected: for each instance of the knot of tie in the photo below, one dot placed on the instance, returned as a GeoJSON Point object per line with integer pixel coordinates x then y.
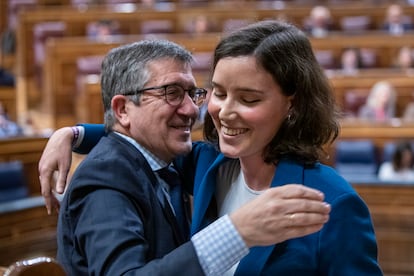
{"type": "Point", "coordinates": [170, 176]}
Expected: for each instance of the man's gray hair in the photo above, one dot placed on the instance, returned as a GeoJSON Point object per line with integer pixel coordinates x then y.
{"type": "Point", "coordinates": [124, 69]}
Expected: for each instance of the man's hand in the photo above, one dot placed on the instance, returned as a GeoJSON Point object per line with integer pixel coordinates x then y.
{"type": "Point", "coordinates": [56, 157]}
{"type": "Point", "coordinates": [280, 214]}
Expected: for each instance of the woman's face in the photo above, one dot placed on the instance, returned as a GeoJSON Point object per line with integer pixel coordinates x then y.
{"type": "Point", "coordinates": [406, 159]}
{"type": "Point", "coordinates": [247, 106]}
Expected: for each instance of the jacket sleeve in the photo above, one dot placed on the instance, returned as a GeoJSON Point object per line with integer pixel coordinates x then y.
{"type": "Point", "coordinates": [92, 134]}
{"type": "Point", "coordinates": [348, 243]}
{"type": "Point", "coordinates": [110, 234]}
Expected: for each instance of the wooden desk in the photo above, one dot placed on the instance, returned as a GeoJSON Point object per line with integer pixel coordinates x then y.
{"type": "Point", "coordinates": [179, 14]}
{"type": "Point", "coordinates": [380, 133]}
{"type": "Point", "coordinates": [385, 46]}
{"type": "Point", "coordinates": [60, 66]}
{"type": "Point", "coordinates": [76, 21]}
{"type": "Point", "coordinates": [60, 72]}
{"type": "Point", "coordinates": [28, 150]}
{"type": "Point", "coordinates": [392, 211]}
{"type": "Point", "coordinates": [362, 82]}
{"type": "Point", "coordinates": [26, 230]}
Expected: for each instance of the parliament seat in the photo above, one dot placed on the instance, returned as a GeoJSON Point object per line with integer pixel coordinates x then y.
{"type": "Point", "coordinates": [352, 24]}
{"type": "Point", "coordinates": [13, 184]}
{"type": "Point", "coordinates": [356, 160]}
{"type": "Point", "coordinates": [353, 100]}
{"type": "Point", "coordinates": [40, 266]}
{"type": "Point", "coordinates": [157, 27]}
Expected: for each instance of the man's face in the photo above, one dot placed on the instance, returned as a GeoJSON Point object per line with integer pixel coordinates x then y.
{"type": "Point", "coordinates": [162, 128]}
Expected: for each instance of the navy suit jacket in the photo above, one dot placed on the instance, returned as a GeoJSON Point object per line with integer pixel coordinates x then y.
{"type": "Point", "coordinates": [346, 245]}
{"type": "Point", "coordinates": [114, 219]}
{"type": "Point", "coordinates": [404, 26]}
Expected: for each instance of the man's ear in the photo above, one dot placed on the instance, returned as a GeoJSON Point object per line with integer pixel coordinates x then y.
{"type": "Point", "coordinates": [119, 108]}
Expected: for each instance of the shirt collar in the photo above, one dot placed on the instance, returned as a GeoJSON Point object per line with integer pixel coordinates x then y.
{"type": "Point", "coordinates": [154, 162]}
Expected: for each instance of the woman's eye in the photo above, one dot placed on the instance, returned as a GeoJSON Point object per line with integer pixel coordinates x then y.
{"type": "Point", "coordinates": [250, 101]}
{"type": "Point", "coordinates": [219, 95]}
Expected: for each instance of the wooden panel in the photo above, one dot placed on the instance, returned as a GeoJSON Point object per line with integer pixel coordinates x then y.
{"type": "Point", "coordinates": [380, 133]}
{"type": "Point", "coordinates": [392, 211]}
{"type": "Point", "coordinates": [403, 82]}
{"type": "Point", "coordinates": [60, 68]}
{"type": "Point", "coordinates": [27, 231]}
{"type": "Point", "coordinates": [219, 12]}
{"type": "Point", "coordinates": [28, 150]}
{"type": "Point", "coordinates": [3, 15]}
{"type": "Point", "coordinates": [88, 102]}
{"type": "Point", "coordinates": [62, 53]}
{"type": "Point", "coordinates": [76, 21]}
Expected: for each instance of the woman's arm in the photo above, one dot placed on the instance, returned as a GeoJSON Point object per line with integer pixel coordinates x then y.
{"type": "Point", "coordinates": [57, 157]}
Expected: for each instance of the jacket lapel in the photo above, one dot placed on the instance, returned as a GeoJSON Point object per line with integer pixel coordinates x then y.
{"type": "Point", "coordinates": [142, 163]}
{"type": "Point", "coordinates": [287, 172]}
{"type": "Point", "coordinates": [168, 212]}
{"type": "Point", "coordinates": [203, 194]}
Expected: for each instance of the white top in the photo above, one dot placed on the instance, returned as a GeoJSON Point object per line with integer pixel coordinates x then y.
{"type": "Point", "coordinates": [387, 173]}
{"type": "Point", "coordinates": [232, 192]}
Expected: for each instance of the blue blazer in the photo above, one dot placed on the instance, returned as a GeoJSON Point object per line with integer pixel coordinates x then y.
{"type": "Point", "coordinates": [346, 245]}
{"type": "Point", "coordinates": [114, 219]}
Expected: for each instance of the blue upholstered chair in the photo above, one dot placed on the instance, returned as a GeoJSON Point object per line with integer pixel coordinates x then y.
{"type": "Point", "coordinates": [13, 184]}
{"type": "Point", "coordinates": [356, 160]}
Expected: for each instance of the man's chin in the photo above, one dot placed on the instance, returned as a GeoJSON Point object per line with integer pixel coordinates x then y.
{"type": "Point", "coordinates": [183, 148]}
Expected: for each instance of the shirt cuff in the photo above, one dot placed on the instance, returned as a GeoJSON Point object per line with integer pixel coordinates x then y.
{"type": "Point", "coordinates": [219, 246]}
{"type": "Point", "coordinates": [78, 138]}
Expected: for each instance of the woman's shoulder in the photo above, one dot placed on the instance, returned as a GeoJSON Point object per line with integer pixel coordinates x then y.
{"type": "Point", "coordinates": [202, 147]}
{"type": "Point", "coordinates": [326, 179]}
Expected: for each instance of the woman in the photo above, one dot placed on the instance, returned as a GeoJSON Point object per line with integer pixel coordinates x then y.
{"type": "Point", "coordinates": [381, 102]}
{"type": "Point", "coordinates": [271, 111]}
{"type": "Point", "coordinates": [401, 166]}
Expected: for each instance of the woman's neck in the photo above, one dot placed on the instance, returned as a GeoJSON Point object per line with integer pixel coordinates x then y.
{"type": "Point", "coordinates": [257, 174]}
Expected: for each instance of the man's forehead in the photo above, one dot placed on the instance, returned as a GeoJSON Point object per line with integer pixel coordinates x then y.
{"type": "Point", "coordinates": [170, 71]}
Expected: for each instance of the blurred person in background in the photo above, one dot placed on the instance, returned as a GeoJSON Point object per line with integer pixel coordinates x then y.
{"type": "Point", "coordinates": [351, 60]}
{"type": "Point", "coordinates": [8, 128]}
{"type": "Point", "coordinates": [396, 22]}
{"type": "Point", "coordinates": [401, 165]}
{"type": "Point", "coordinates": [319, 22]}
{"type": "Point", "coordinates": [380, 104]}
{"type": "Point", "coordinates": [404, 59]}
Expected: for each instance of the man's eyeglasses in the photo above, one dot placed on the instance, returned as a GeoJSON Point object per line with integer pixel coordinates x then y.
{"type": "Point", "coordinates": [174, 94]}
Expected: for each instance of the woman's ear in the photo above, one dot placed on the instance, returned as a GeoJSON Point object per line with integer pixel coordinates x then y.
{"type": "Point", "coordinates": [119, 108]}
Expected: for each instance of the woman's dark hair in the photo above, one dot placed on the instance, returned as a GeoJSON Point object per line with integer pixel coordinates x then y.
{"type": "Point", "coordinates": [397, 157]}
{"type": "Point", "coordinates": [286, 53]}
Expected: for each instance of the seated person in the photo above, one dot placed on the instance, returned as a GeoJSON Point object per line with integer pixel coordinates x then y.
{"type": "Point", "coordinates": [400, 167]}
{"type": "Point", "coordinates": [380, 104]}
{"type": "Point", "coordinates": [319, 22]}
{"type": "Point", "coordinates": [404, 59]}
{"type": "Point", "coordinates": [200, 24]}
{"type": "Point", "coordinates": [102, 29]}
{"type": "Point", "coordinates": [396, 23]}
{"type": "Point", "coordinates": [8, 128]}
{"type": "Point", "coordinates": [6, 78]}
{"type": "Point", "coordinates": [351, 60]}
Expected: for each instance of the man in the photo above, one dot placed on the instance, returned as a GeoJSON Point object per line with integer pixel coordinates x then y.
{"type": "Point", "coordinates": [118, 216]}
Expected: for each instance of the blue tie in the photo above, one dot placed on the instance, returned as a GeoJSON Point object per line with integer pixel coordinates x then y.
{"type": "Point", "coordinates": [171, 177]}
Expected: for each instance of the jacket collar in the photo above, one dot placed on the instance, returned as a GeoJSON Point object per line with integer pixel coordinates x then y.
{"type": "Point", "coordinates": [287, 172]}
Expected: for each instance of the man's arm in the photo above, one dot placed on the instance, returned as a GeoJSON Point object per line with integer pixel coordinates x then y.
{"type": "Point", "coordinates": [279, 214]}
